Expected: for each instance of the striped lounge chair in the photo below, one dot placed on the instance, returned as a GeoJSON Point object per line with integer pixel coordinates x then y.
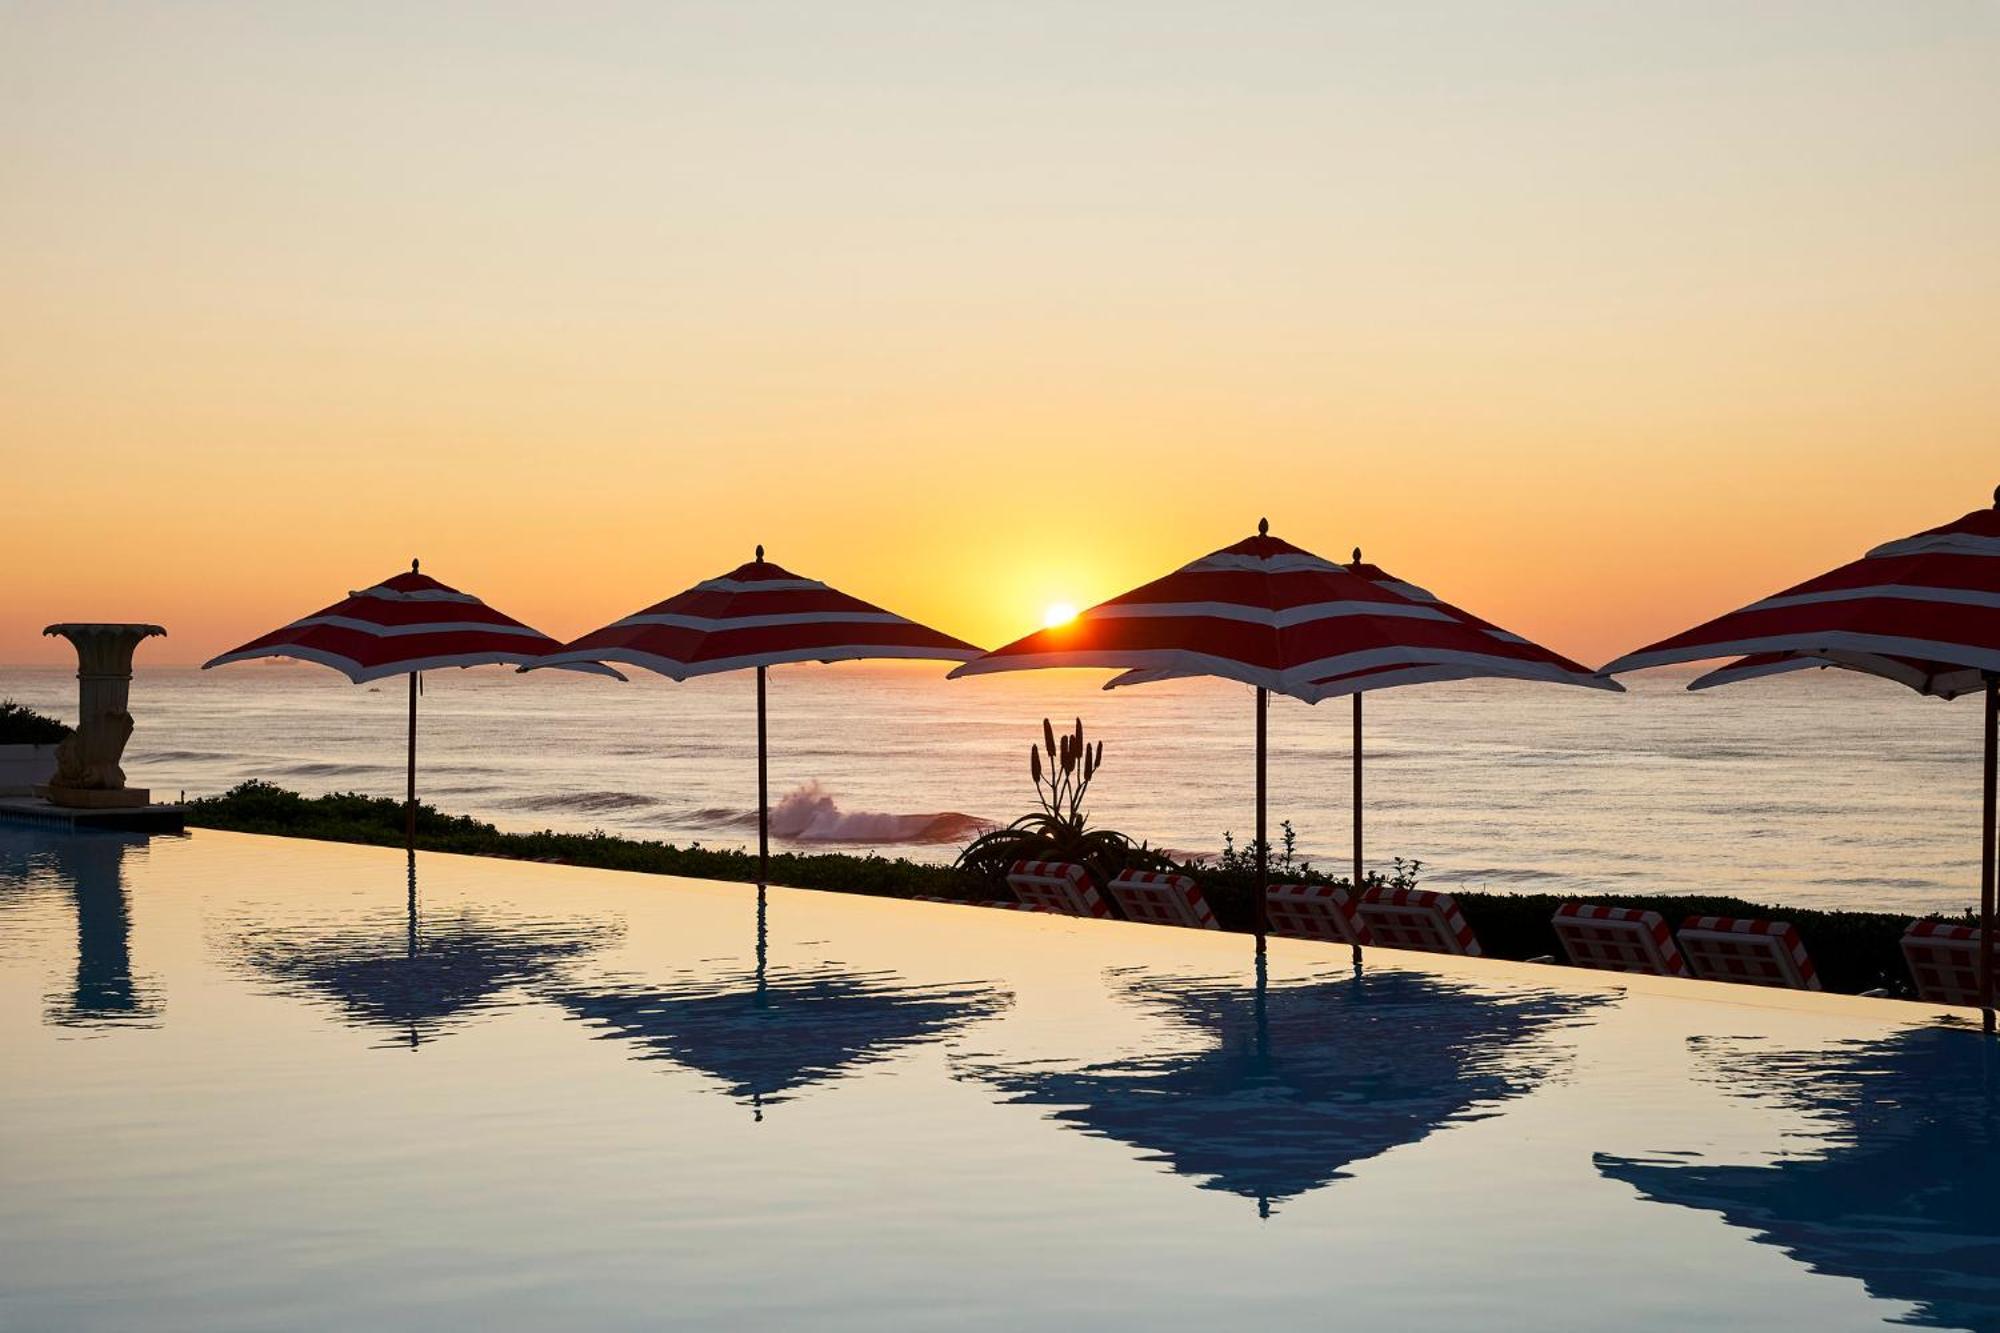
{"type": "Point", "coordinates": [1056, 886]}
{"type": "Point", "coordinates": [1162, 898]}
{"type": "Point", "coordinates": [1417, 919]}
{"type": "Point", "coordinates": [1315, 912]}
{"type": "Point", "coordinates": [1618, 939]}
{"type": "Point", "coordinates": [1944, 961]}
{"type": "Point", "coordinates": [1741, 949]}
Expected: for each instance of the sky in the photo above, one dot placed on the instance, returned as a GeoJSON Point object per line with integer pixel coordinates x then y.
{"type": "Point", "coordinates": [1597, 319]}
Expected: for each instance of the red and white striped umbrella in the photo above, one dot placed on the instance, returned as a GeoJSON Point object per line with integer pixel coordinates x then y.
{"type": "Point", "coordinates": [1488, 652]}
{"type": "Point", "coordinates": [407, 624]}
{"type": "Point", "coordinates": [1931, 597]}
{"type": "Point", "coordinates": [404, 624]}
{"type": "Point", "coordinates": [1263, 612]}
{"type": "Point", "coordinates": [757, 615]}
{"type": "Point", "coordinates": [1940, 680]}
{"type": "Point", "coordinates": [1923, 611]}
{"type": "Point", "coordinates": [1271, 615]}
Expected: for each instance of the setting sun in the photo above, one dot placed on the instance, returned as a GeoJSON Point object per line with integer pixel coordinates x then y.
{"type": "Point", "coordinates": [1059, 613]}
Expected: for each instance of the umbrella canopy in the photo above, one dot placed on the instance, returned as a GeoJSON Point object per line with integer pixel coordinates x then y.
{"type": "Point", "coordinates": [1427, 658]}
{"type": "Point", "coordinates": [1272, 615]}
{"type": "Point", "coordinates": [1923, 611]}
{"type": "Point", "coordinates": [1263, 612]}
{"type": "Point", "coordinates": [1933, 597]}
{"type": "Point", "coordinates": [1941, 680]}
{"type": "Point", "coordinates": [758, 615]}
{"type": "Point", "coordinates": [404, 625]}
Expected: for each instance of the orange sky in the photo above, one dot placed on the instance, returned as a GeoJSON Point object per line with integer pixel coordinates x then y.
{"type": "Point", "coordinates": [1596, 322]}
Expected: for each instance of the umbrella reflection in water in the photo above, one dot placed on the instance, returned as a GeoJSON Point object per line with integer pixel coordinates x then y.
{"type": "Point", "coordinates": [89, 868]}
{"type": "Point", "coordinates": [1301, 1081]}
{"type": "Point", "coordinates": [766, 1035]}
{"type": "Point", "coordinates": [1901, 1183]}
{"type": "Point", "coordinates": [418, 977]}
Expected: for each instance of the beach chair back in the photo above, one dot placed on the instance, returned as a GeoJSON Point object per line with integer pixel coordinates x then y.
{"type": "Point", "coordinates": [1618, 939]}
{"type": "Point", "coordinates": [1315, 912]}
{"type": "Point", "coordinates": [1756, 953]}
{"type": "Point", "coordinates": [1417, 919]}
{"type": "Point", "coordinates": [1944, 961]}
{"type": "Point", "coordinates": [1162, 899]}
{"type": "Point", "coordinates": [1056, 886]}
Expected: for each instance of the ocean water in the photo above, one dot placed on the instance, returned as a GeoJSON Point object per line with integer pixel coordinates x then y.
{"type": "Point", "coordinates": [1824, 789]}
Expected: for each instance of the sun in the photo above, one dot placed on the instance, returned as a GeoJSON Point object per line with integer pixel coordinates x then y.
{"type": "Point", "coordinates": [1059, 613]}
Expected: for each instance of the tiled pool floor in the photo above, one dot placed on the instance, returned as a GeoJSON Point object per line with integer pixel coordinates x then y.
{"type": "Point", "coordinates": [245, 1090]}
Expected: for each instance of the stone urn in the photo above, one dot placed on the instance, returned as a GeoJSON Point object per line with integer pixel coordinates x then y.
{"type": "Point", "coordinates": [87, 773]}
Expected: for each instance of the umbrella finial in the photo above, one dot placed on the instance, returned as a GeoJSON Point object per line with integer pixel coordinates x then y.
{"type": "Point", "coordinates": [413, 564]}
{"type": "Point", "coordinates": [1263, 527]}
{"type": "Point", "coordinates": [760, 553]}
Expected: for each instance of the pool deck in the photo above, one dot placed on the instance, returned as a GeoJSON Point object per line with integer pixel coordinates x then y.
{"type": "Point", "coordinates": [133, 819]}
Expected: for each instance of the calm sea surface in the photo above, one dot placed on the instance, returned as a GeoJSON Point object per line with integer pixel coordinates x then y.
{"type": "Point", "coordinates": [1822, 790]}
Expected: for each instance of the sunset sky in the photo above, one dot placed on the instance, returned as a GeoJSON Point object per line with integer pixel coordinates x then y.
{"type": "Point", "coordinates": [1594, 318]}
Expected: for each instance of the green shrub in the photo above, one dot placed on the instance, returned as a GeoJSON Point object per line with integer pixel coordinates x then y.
{"type": "Point", "coordinates": [260, 807]}
{"type": "Point", "coordinates": [22, 725]}
{"type": "Point", "coordinates": [1853, 951]}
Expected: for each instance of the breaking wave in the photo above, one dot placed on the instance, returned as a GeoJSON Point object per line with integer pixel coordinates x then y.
{"type": "Point", "coordinates": [810, 814]}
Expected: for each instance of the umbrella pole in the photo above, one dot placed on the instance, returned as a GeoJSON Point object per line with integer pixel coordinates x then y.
{"type": "Point", "coordinates": [763, 792]}
{"type": "Point", "coordinates": [1357, 809]}
{"type": "Point", "coordinates": [1263, 843]}
{"type": "Point", "coordinates": [410, 800]}
{"type": "Point", "coordinates": [1986, 867]}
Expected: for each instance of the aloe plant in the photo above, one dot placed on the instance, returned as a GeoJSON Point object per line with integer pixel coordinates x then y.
{"type": "Point", "coordinates": [1062, 768]}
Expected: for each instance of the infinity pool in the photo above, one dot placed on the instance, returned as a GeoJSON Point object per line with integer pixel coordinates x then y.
{"type": "Point", "coordinates": [258, 1084]}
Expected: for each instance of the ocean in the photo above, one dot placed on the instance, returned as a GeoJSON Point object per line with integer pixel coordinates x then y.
{"type": "Point", "coordinates": [1822, 790]}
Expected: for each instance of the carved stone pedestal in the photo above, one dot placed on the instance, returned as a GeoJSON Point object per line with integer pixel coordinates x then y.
{"type": "Point", "coordinates": [87, 773]}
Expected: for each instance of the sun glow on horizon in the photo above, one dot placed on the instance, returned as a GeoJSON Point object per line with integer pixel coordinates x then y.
{"type": "Point", "coordinates": [1058, 613]}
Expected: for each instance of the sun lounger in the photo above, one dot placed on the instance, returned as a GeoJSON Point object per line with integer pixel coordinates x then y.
{"type": "Point", "coordinates": [1162, 898]}
{"type": "Point", "coordinates": [1417, 919]}
{"type": "Point", "coordinates": [1056, 886]}
{"type": "Point", "coordinates": [1618, 939]}
{"type": "Point", "coordinates": [1756, 953]}
{"type": "Point", "coordinates": [1944, 961]}
{"type": "Point", "coordinates": [1314, 912]}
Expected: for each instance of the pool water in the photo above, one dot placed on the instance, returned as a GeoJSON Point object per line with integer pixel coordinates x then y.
{"type": "Point", "coordinates": [259, 1084]}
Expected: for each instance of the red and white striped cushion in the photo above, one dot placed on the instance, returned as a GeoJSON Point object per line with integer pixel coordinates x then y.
{"type": "Point", "coordinates": [1314, 912]}
{"type": "Point", "coordinates": [1163, 899]}
{"type": "Point", "coordinates": [1056, 886]}
{"type": "Point", "coordinates": [1755, 953]}
{"type": "Point", "coordinates": [1417, 919]}
{"type": "Point", "coordinates": [1618, 939]}
{"type": "Point", "coordinates": [1944, 961]}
